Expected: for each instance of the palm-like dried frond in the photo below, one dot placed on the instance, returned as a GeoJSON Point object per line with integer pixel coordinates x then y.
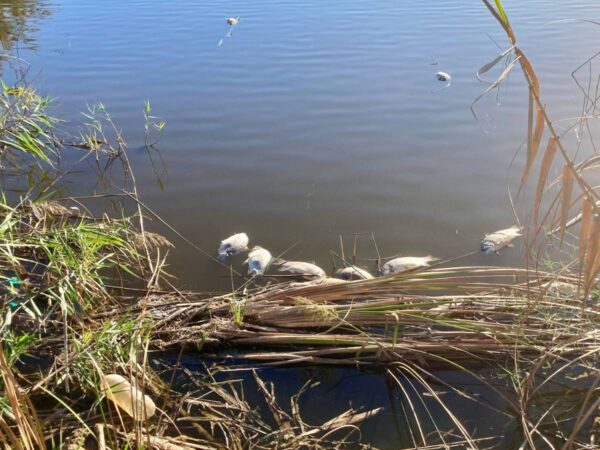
{"type": "Point", "coordinates": [151, 241]}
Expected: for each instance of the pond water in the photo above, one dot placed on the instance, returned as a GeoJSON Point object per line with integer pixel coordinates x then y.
{"type": "Point", "coordinates": [315, 119]}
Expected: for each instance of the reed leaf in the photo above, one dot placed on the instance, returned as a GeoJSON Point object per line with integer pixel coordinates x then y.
{"type": "Point", "coordinates": [565, 201]}
{"type": "Point", "coordinates": [593, 244]}
{"type": "Point", "coordinates": [586, 225]}
{"type": "Point", "coordinates": [487, 67]}
{"type": "Point", "coordinates": [533, 145]}
{"type": "Point", "coordinates": [501, 77]}
{"type": "Point", "coordinates": [544, 170]}
{"type": "Point", "coordinates": [502, 12]}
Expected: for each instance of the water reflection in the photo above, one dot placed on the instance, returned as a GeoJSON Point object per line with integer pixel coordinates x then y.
{"type": "Point", "coordinates": [18, 23]}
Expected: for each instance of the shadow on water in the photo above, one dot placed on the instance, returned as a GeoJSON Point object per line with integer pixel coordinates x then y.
{"type": "Point", "coordinates": [410, 417]}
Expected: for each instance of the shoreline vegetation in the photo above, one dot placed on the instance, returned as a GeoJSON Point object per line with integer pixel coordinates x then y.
{"type": "Point", "coordinates": [87, 306]}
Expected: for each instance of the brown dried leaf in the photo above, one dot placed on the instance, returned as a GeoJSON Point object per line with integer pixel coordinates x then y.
{"type": "Point", "coordinates": [565, 200]}
{"type": "Point", "coordinates": [49, 208]}
{"type": "Point", "coordinates": [349, 418]}
{"type": "Point", "coordinates": [544, 170]}
{"type": "Point", "coordinates": [595, 269]}
{"type": "Point", "coordinates": [534, 145]}
{"type": "Point", "coordinates": [153, 241]}
{"type": "Point", "coordinates": [592, 255]}
{"type": "Point", "coordinates": [586, 222]}
{"type": "Point", "coordinates": [529, 72]}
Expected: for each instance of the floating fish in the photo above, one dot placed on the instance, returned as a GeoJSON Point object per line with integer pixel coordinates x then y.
{"type": "Point", "coordinates": [494, 242]}
{"type": "Point", "coordinates": [302, 269]}
{"type": "Point", "coordinates": [406, 263]}
{"type": "Point", "coordinates": [233, 20]}
{"type": "Point", "coordinates": [127, 397]}
{"type": "Point", "coordinates": [353, 273]}
{"type": "Point", "coordinates": [258, 260]}
{"type": "Point", "coordinates": [443, 76]}
{"type": "Point", "coordinates": [233, 245]}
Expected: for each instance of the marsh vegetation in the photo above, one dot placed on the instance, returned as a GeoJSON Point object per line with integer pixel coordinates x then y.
{"type": "Point", "coordinates": [95, 331]}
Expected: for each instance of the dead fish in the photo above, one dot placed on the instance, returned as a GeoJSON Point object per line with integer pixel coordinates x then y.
{"type": "Point", "coordinates": [302, 269]}
{"type": "Point", "coordinates": [494, 242]}
{"type": "Point", "coordinates": [353, 273]}
{"type": "Point", "coordinates": [258, 260]}
{"type": "Point", "coordinates": [406, 263]}
{"type": "Point", "coordinates": [233, 245]}
{"type": "Point", "coordinates": [443, 76]}
{"type": "Point", "coordinates": [233, 20]}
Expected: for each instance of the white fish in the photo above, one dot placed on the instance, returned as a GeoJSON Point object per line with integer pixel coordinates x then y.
{"type": "Point", "coordinates": [233, 20]}
{"type": "Point", "coordinates": [233, 245]}
{"type": "Point", "coordinates": [353, 273]}
{"type": "Point", "coordinates": [258, 260]}
{"type": "Point", "coordinates": [494, 242]}
{"type": "Point", "coordinates": [302, 269]}
{"type": "Point", "coordinates": [406, 263]}
{"type": "Point", "coordinates": [443, 76]}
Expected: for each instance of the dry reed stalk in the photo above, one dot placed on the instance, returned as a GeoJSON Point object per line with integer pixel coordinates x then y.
{"type": "Point", "coordinates": [29, 434]}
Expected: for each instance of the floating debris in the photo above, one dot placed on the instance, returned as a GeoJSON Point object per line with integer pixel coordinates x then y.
{"type": "Point", "coordinates": [406, 263]}
{"type": "Point", "coordinates": [494, 242]}
{"type": "Point", "coordinates": [302, 269]}
{"type": "Point", "coordinates": [258, 260]}
{"type": "Point", "coordinates": [443, 76]}
{"type": "Point", "coordinates": [233, 245]}
{"type": "Point", "coordinates": [232, 22]}
{"type": "Point", "coordinates": [353, 273]}
{"type": "Point", "coordinates": [127, 397]}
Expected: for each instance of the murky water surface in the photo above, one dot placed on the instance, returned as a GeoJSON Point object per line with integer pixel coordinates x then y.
{"type": "Point", "coordinates": [315, 119]}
